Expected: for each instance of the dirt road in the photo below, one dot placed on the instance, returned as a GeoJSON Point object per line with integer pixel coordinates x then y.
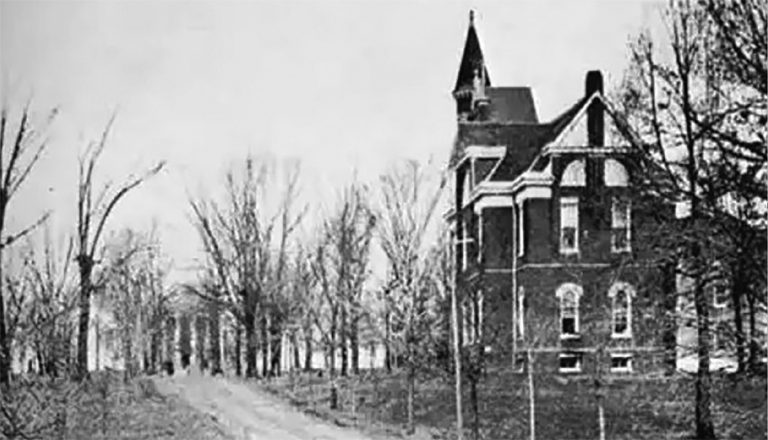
{"type": "Point", "coordinates": [248, 414]}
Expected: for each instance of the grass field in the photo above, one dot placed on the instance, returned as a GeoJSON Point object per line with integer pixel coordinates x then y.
{"type": "Point", "coordinates": [102, 408]}
{"type": "Point", "coordinates": [635, 408]}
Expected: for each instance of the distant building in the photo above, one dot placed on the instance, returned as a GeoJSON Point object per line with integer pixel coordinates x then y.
{"type": "Point", "coordinates": [546, 226]}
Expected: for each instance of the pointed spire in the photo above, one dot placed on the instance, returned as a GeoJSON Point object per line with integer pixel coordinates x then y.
{"type": "Point", "coordinates": [472, 59]}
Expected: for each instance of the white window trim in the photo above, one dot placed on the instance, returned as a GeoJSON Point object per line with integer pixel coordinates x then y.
{"type": "Point", "coordinates": [576, 369]}
{"type": "Point", "coordinates": [560, 294]}
{"type": "Point", "coordinates": [628, 247]}
{"type": "Point", "coordinates": [480, 317]}
{"type": "Point", "coordinates": [575, 249]}
{"type": "Point", "coordinates": [630, 292]}
{"type": "Point", "coordinates": [464, 241]}
{"type": "Point", "coordinates": [628, 368]}
{"type": "Point", "coordinates": [521, 228]}
{"type": "Point", "coordinates": [521, 313]}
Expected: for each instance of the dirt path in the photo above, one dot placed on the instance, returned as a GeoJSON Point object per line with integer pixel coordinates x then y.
{"type": "Point", "coordinates": [248, 414]}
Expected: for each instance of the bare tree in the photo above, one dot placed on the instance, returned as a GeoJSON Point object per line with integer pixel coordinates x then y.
{"type": "Point", "coordinates": [93, 211]}
{"type": "Point", "coordinates": [19, 153]}
{"type": "Point", "coordinates": [408, 202]}
{"type": "Point", "coordinates": [246, 245]}
{"type": "Point", "coordinates": [684, 108]}
{"type": "Point", "coordinates": [49, 306]}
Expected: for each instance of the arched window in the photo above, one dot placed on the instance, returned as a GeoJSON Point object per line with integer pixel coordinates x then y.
{"type": "Point", "coordinates": [621, 295]}
{"type": "Point", "coordinates": [569, 295]}
{"type": "Point", "coordinates": [574, 174]}
{"type": "Point", "coordinates": [615, 174]}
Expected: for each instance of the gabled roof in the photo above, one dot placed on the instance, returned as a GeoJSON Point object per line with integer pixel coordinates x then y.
{"type": "Point", "coordinates": [512, 104]}
{"type": "Point", "coordinates": [525, 142]}
{"type": "Point", "coordinates": [471, 60]}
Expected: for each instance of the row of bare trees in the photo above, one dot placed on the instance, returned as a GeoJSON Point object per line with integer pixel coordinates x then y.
{"type": "Point", "coordinates": [275, 284]}
{"type": "Point", "coordinates": [35, 283]}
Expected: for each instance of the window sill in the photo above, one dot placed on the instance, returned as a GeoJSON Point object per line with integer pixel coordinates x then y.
{"type": "Point", "coordinates": [569, 252]}
{"type": "Point", "coordinates": [570, 336]}
{"type": "Point", "coordinates": [570, 370]}
{"type": "Point", "coordinates": [621, 336]}
{"type": "Point", "coordinates": [621, 251]}
{"type": "Point", "coordinates": [621, 370]}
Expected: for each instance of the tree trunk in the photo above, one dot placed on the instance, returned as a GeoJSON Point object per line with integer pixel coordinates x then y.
{"type": "Point", "coordinates": [200, 331]}
{"type": "Point", "coordinates": [737, 293]}
{"type": "Point", "coordinates": [308, 349]}
{"type": "Point", "coordinates": [296, 353]}
{"type": "Point", "coordinates": [531, 397]}
{"type": "Point", "coordinates": [170, 340]}
{"type": "Point", "coordinates": [238, 350]}
{"type": "Point", "coordinates": [705, 429]}
{"type": "Point", "coordinates": [251, 346]}
{"type": "Point", "coordinates": [214, 335]}
{"type": "Point", "coordinates": [473, 398]}
{"type": "Point", "coordinates": [343, 340]}
{"type": "Point", "coordinates": [669, 310]}
{"type": "Point", "coordinates": [264, 345]}
{"type": "Point", "coordinates": [5, 346]}
{"type": "Point", "coordinates": [85, 264]}
{"type": "Point", "coordinates": [387, 352]}
{"type": "Point", "coordinates": [354, 345]}
{"type": "Point", "coordinates": [410, 427]}
{"type": "Point", "coordinates": [276, 345]}
{"type": "Point", "coordinates": [154, 350]}
{"type": "Point", "coordinates": [754, 344]}
{"type": "Point", "coordinates": [332, 348]}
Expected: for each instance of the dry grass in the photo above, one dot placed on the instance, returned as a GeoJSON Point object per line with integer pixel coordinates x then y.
{"type": "Point", "coordinates": [101, 408]}
{"type": "Point", "coordinates": [635, 408]}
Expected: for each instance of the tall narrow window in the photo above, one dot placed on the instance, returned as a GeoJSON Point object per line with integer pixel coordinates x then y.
{"type": "Point", "coordinates": [620, 224]}
{"type": "Point", "coordinates": [621, 310]}
{"type": "Point", "coordinates": [569, 295]}
{"type": "Point", "coordinates": [466, 313]}
{"type": "Point", "coordinates": [480, 237]}
{"type": "Point", "coordinates": [569, 225]}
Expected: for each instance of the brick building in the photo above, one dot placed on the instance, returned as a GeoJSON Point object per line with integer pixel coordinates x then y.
{"type": "Point", "coordinates": [546, 223]}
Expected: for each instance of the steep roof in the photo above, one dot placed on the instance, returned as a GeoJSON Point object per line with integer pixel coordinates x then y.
{"type": "Point", "coordinates": [528, 143]}
{"type": "Point", "coordinates": [512, 104]}
{"type": "Point", "coordinates": [523, 140]}
{"type": "Point", "coordinates": [471, 60]}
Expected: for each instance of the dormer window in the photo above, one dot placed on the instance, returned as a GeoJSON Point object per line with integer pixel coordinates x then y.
{"type": "Point", "coordinates": [569, 225]}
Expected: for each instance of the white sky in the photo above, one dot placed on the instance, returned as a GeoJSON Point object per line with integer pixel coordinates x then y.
{"type": "Point", "coordinates": [339, 84]}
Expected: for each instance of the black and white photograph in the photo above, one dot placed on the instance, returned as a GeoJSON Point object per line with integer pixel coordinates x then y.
{"type": "Point", "coordinates": [384, 219]}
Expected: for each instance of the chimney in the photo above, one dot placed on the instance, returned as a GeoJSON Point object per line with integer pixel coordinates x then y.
{"type": "Point", "coordinates": [595, 112]}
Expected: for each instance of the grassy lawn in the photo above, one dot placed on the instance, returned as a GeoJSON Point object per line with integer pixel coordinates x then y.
{"type": "Point", "coordinates": [103, 408]}
{"type": "Point", "coordinates": [650, 408]}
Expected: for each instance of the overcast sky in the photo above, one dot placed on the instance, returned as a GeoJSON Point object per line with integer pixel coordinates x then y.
{"type": "Point", "coordinates": [339, 84]}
